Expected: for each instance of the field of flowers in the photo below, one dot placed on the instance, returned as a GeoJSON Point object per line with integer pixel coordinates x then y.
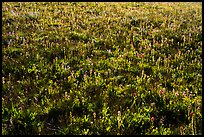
{"type": "Point", "coordinates": [90, 68]}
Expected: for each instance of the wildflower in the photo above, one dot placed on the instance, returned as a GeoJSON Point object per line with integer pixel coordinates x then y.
{"type": "Point", "coordinates": [198, 101]}
{"type": "Point", "coordinates": [119, 113]}
{"type": "Point", "coordinates": [9, 41]}
{"type": "Point", "coordinates": [109, 51]}
{"type": "Point", "coordinates": [106, 73]}
{"type": "Point", "coordinates": [3, 80]}
{"type": "Point", "coordinates": [191, 114]}
{"type": "Point", "coordinates": [94, 115]}
{"type": "Point", "coordinates": [181, 130]}
{"type": "Point", "coordinates": [161, 121]}
{"type": "Point", "coordinates": [176, 93]}
{"type": "Point", "coordinates": [134, 94]}
{"type": "Point", "coordinates": [137, 55]}
{"type": "Point", "coordinates": [84, 76]}
{"type": "Point", "coordinates": [67, 67]}
{"type": "Point", "coordinates": [158, 44]}
{"type": "Point", "coordinates": [184, 94]}
{"type": "Point", "coordinates": [10, 33]}
{"type": "Point", "coordinates": [160, 92]}
{"type": "Point", "coordinates": [119, 119]}
{"type": "Point", "coordinates": [72, 72]}
{"type": "Point", "coordinates": [140, 49]}
{"type": "Point", "coordinates": [91, 71]}
{"type": "Point", "coordinates": [142, 55]}
{"type": "Point", "coordinates": [152, 119]}
{"type": "Point", "coordinates": [20, 108]}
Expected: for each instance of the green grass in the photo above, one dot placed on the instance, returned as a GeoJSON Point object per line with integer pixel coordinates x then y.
{"type": "Point", "coordinates": [101, 68]}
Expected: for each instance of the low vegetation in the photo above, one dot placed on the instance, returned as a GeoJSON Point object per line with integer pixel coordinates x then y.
{"type": "Point", "coordinates": [92, 68]}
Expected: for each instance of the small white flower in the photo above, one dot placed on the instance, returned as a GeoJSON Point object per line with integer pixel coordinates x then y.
{"type": "Point", "coordinates": [67, 67]}
{"type": "Point", "coordinates": [10, 33]}
{"type": "Point", "coordinates": [109, 51]}
{"type": "Point", "coordinates": [9, 41]}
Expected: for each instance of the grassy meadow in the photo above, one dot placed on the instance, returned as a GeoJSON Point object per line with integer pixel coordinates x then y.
{"type": "Point", "coordinates": [99, 68]}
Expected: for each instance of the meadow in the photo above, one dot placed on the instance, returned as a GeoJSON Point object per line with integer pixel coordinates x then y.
{"type": "Point", "coordinates": [101, 68]}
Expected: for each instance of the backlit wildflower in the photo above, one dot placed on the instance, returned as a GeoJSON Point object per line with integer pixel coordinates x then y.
{"type": "Point", "coordinates": [72, 72]}
{"type": "Point", "coordinates": [119, 119]}
{"type": "Point", "coordinates": [160, 92]}
{"type": "Point", "coordinates": [94, 115]}
{"type": "Point", "coordinates": [142, 55]}
{"type": "Point", "coordinates": [184, 94]}
{"type": "Point", "coordinates": [84, 76]}
{"type": "Point", "coordinates": [91, 71]}
{"type": "Point", "coordinates": [134, 94]}
{"type": "Point", "coordinates": [109, 51]}
{"type": "Point", "coordinates": [67, 67]}
{"type": "Point", "coordinates": [198, 101]}
{"type": "Point", "coordinates": [191, 114]}
{"type": "Point", "coordinates": [152, 119]}
{"type": "Point", "coordinates": [181, 130]}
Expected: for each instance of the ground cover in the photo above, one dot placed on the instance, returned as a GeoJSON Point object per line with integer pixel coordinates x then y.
{"type": "Point", "coordinates": [101, 68]}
